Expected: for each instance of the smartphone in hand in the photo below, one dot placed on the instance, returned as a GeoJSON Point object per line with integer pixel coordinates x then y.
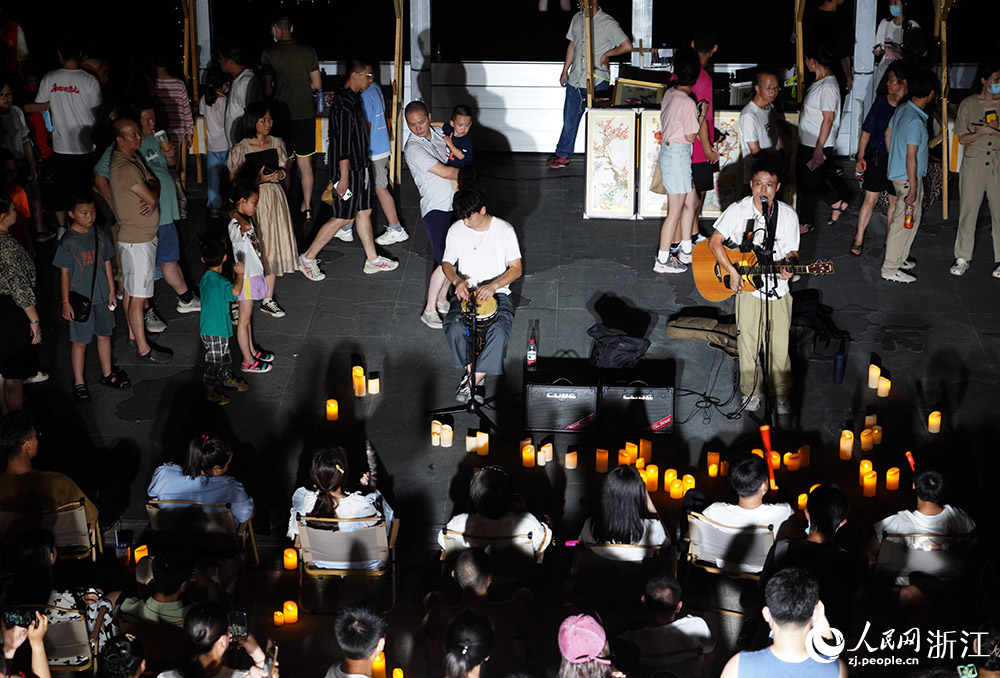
{"type": "Point", "coordinates": [270, 657]}
{"type": "Point", "coordinates": [238, 626]}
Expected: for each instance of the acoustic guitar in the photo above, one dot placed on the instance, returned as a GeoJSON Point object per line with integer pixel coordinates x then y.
{"type": "Point", "coordinates": [712, 279]}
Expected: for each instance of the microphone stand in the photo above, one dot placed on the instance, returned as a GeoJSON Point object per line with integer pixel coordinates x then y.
{"type": "Point", "coordinates": [767, 258]}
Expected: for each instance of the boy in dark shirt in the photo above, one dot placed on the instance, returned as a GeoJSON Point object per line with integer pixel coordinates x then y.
{"type": "Point", "coordinates": [456, 135]}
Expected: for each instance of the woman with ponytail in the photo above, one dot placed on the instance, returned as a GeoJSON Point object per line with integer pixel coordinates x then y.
{"type": "Point", "coordinates": [325, 497]}
{"type": "Point", "coordinates": [209, 639]}
{"type": "Point", "coordinates": [468, 645]}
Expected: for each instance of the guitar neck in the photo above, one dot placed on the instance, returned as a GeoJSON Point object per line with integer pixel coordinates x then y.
{"type": "Point", "coordinates": [773, 270]}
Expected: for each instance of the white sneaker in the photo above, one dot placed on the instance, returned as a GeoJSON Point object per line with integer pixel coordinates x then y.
{"type": "Point", "coordinates": [442, 307]}
{"type": "Point", "coordinates": [154, 323]}
{"type": "Point", "coordinates": [380, 263]}
{"type": "Point", "coordinates": [431, 319]}
{"type": "Point", "coordinates": [959, 267]}
{"type": "Point", "coordinates": [908, 264]}
{"type": "Point", "coordinates": [684, 258]}
{"type": "Point", "coordinates": [192, 306]}
{"type": "Point", "coordinates": [996, 271]}
{"type": "Point", "coordinates": [751, 403]}
{"type": "Point", "coordinates": [900, 276]}
{"type": "Point", "coordinates": [392, 236]}
{"type": "Point", "coordinates": [345, 234]}
{"type": "Point", "coordinates": [783, 404]}
{"type": "Point", "coordinates": [310, 269]}
{"type": "Point", "coordinates": [37, 378]}
{"type": "Point", "coordinates": [673, 265]}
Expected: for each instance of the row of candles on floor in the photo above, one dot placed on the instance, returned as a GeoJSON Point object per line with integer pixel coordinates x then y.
{"type": "Point", "coordinates": [882, 385]}
{"type": "Point", "coordinates": [362, 386]}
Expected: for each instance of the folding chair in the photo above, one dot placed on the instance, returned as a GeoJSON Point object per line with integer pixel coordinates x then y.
{"type": "Point", "coordinates": [733, 551]}
{"type": "Point", "coordinates": [68, 644]}
{"type": "Point", "coordinates": [203, 527]}
{"type": "Point", "coordinates": [350, 550]}
{"type": "Point", "coordinates": [612, 577]}
{"type": "Point", "coordinates": [514, 558]}
{"type": "Point", "coordinates": [74, 538]}
{"type": "Point", "coordinates": [945, 561]}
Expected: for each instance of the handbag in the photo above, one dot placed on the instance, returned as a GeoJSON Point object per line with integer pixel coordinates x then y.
{"type": "Point", "coordinates": [327, 196]}
{"type": "Point", "coordinates": [81, 303]}
{"type": "Point", "coordinates": [656, 181]}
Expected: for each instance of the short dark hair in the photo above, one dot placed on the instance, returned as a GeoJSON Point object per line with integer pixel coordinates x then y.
{"type": "Point", "coordinates": [69, 47]}
{"type": "Point", "coordinates": [358, 628]}
{"type": "Point", "coordinates": [79, 197]}
{"type": "Point", "coordinates": [170, 570]}
{"type": "Point", "coordinates": [705, 39]}
{"type": "Point", "coordinates": [242, 190]}
{"type": "Point", "coordinates": [930, 486]}
{"type": "Point", "coordinates": [663, 592]}
{"type": "Point", "coordinates": [902, 69]}
{"type": "Point", "coordinates": [761, 72]}
{"type": "Point", "coordinates": [15, 427]}
{"type": "Point", "coordinates": [768, 164]}
{"type": "Point", "coordinates": [357, 65]}
{"type": "Point", "coordinates": [415, 106]}
{"type": "Point", "coordinates": [213, 252]}
{"type": "Point", "coordinates": [204, 453]}
{"type": "Point", "coordinates": [235, 53]}
{"type": "Point", "coordinates": [468, 201]}
{"type": "Point", "coordinates": [923, 83]}
{"type": "Point", "coordinates": [492, 492]}
{"type": "Point", "coordinates": [120, 122]}
{"type": "Point", "coordinates": [473, 569]}
{"type": "Point", "coordinates": [121, 657]}
{"type": "Point", "coordinates": [747, 474]}
{"type": "Point", "coordinates": [283, 22]}
{"type": "Point", "coordinates": [828, 506]}
{"type": "Point", "coordinates": [791, 596]}
{"type": "Point", "coordinates": [462, 109]}
{"type": "Point", "coordinates": [687, 66]}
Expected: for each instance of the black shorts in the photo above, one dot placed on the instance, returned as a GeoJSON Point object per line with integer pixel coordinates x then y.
{"type": "Point", "coordinates": [362, 194]}
{"type": "Point", "coordinates": [876, 177]}
{"type": "Point", "coordinates": [70, 173]}
{"type": "Point", "coordinates": [299, 137]}
{"type": "Point", "coordinates": [703, 175]}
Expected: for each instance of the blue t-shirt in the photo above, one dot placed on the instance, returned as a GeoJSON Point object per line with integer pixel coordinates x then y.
{"type": "Point", "coordinates": [464, 144]}
{"type": "Point", "coordinates": [76, 252]}
{"type": "Point", "coordinates": [877, 121]}
{"type": "Point", "coordinates": [216, 293]}
{"type": "Point", "coordinates": [170, 483]}
{"type": "Point", "coordinates": [150, 151]}
{"type": "Point", "coordinates": [374, 106]}
{"type": "Point", "coordinates": [909, 128]}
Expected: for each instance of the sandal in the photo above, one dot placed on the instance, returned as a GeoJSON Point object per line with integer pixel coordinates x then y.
{"type": "Point", "coordinates": [836, 213]}
{"type": "Point", "coordinates": [117, 379]}
{"type": "Point", "coordinates": [806, 228]}
{"type": "Point", "coordinates": [264, 356]}
{"type": "Point", "coordinates": [856, 249]}
{"type": "Point", "coordinates": [81, 392]}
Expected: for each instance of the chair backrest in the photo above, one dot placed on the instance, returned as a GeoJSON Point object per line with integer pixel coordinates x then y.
{"type": "Point", "coordinates": [67, 640]}
{"type": "Point", "coordinates": [191, 516]}
{"type": "Point", "coordinates": [351, 548]}
{"type": "Point", "coordinates": [160, 641]}
{"type": "Point", "coordinates": [68, 524]}
{"type": "Point", "coordinates": [731, 550]}
{"type": "Point", "coordinates": [901, 554]}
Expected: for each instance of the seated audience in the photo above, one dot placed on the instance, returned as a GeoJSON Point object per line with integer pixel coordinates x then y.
{"type": "Point", "coordinates": [626, 516]}
{"type": "Point", "coordinates": [172, 572]}
{"type": "Point", "coordinates": [360, 631]}
{"type": "Point", "coordinates": [932, 515]}
{"type": "Point", "coordinates": [203, 478]}
{"type": "Point", "coordinates": [22, 488]}
{"type": "Point", "coordinates": [583, 645]}
{"type": "Point", "coordinates": [468, 645]}
{"type": "Point", "coordinates": [667, 635]}
{"type": "Point", "coordinates": [748, 476]}
{"type": "Point", "coordinates": [32, 582]}
{"type": "Point", "coordinates": [15, 635]}
{"type": "Point", "coordinates": [209, 639]}
{"type": "Point", "coordinates": [122, 657]}
{"type": "Point", "coordinates": [793, 609]}
{"type": "Point", "coordinates": [514, 635]}
{"type": "Point", "coordinates": [495, 517]}
{"type": "Point", "coordinates": [840, 575]}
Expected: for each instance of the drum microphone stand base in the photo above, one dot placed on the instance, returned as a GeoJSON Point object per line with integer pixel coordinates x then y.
{"type": "Point", "coordinates": [473, 407]}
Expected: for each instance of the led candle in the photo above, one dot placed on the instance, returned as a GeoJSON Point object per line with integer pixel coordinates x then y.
{"type": "Point", "coordinates": [870, 420]}
{"type": "Point", "coordinates": [759, 452]}
{"type": "Point", "coordinates": [803, 500]}
{"type": "Point", "coordinates": [571, 460]}
{"type": "Point", "coordinates": [528, 456]}
{"type": "Point", "coordinates": [669, 476]}
{"type": "Point", "coordinates": [378, 666]}
{"type": "Point", "coordinates": [866, 440]}
{"type": "Point", "coordinates": [871, 478]}
{"type": "Point", "coordinates": [374, 383]}
{"type": "Point", "coordinates": [140, 552]}
{"type": "Point", "coordinates": [541, 459]}
{"type": "Point", "coordinates": [470, 441]}
{"type": "Point", "coordinates": [864, 467]}
{"type": "Point", "coordinates": [713, 470]}
{"type": "Point", "coordinates": [892, 479]}
{"type": "Point", "coordinates": [883, 387]}
{"type": "Point", "coordinates": [646, 449]}
{"type": "Point", "coordinates": [290, 559]}
{"type": "Point", "coordinates": [291, 611]}
{"type": "Point", "coordinates": [435, 438]}
{"type": "Point", "coordinates": [525, 442]}
{"type": "Point", "coordinates": [877, 434]}
{"type": "Point", "coordinates": [712, 458]}
{"type": "Point", "coordinates": [652, 477]}
{"type": "Point", "coordinates": [332, 410]}
{"type": "Point", "coordinates": [447, 436]}
{"type": "Point", "coordinates": [934, 422]}
{"type": "Point", "coordinates": [846, 445]}
{"type": "Point", "coordinates": [793, 460]}
{"type": "Point", "coordinates": [676, 489]}
{"type": "Point", "coordinates": [279, 618]}
{"type": "Point", "coordinates": [775, 460]}
{"type": "Point", "coordinates": [547, 451]}
{"type": "Point", "coordinates": [435, 426]}
{"type": "Point", "coordinates": [633, 452]}
{"type": "Point", "coordinates": [602, 461]}
{"type": "Point", "coordinates": [623, 458]}
{"type": "Point", "coordinates": [804, 453]}
{"type": "Point", "coordinates": [640, 463]}
{"type": "Point", "coordinates": [724, 468]}
{"type": "Point", "coordinates": [874, 373]}
{"type": "Point", "coordinates": [482, 443]}
{"type": "Point", "coordinates": [397, 673]}
{"type": "Point", "coordinates": [360, 388]}
{"type": "Point", "coordinates": [688, 481]}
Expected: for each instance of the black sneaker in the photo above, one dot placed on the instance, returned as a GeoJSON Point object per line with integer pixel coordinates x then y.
{"type": "Point", "coordinates": [157, 356]}
{"type": "Point", "coordinates": [272, 308]}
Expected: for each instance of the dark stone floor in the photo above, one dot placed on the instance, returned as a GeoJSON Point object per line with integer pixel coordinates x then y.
{"type": "Point", "coordinates": [939, 337]}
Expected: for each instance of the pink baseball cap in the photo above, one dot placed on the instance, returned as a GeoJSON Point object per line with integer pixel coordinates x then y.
{"type": "Point", "coordinates": [582, 640]}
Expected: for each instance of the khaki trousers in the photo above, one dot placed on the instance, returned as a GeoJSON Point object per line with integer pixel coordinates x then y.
{"type": "Point", "coordinates": [900, 239]}
{"type": "Point", "coordinates": [974, 181]}
{"type": "Point", "coordinates": [750, 342]}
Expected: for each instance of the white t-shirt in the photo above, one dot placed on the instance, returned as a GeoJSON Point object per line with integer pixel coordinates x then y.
{"type": "Point", "coordinates": [733, 223]}
{"type": "Point", "coordinates": [336, 671]}
{"type": "Point", "coordinates": [216, 139]}
{"type": "Point", "coordinates": [236, 103]}
{"type": "Point", "coordinates": [481, 256]}
{"type": "Point", "coordinates": [15, 131]}
{"type": "Point", "coordinates": [951, 521]}
{"type": "Point", "coordinates": [734, 515]}
{"type": "Point", "coordinates": [421, 154]}
{"type": "Point", "coordinates": [224, 672]}
{"type": "Point", "coordinates": [686, 633]}
{"type": "Point", "coordinates": [467, 526]}
{"type": "Point", "coordinates": [760, 125]}
{"type": "Point", "coordinates": [244, 250]}
{"type": "Point", "coordinates": [888, 30]}
{"type": "Point", "coordinates": [824, 95]}
{"type": "Point", "coordinates": [653, 534]}
{"type": "Point", "coordinates": [72, 94]}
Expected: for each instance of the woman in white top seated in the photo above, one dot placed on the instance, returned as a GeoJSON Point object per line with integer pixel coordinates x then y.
{"type": "Point", "coordinates": [495, 521]}
{"type": "Point", "coordinates": [209, 639]}
{"type": "Point", "coordinates": [203, 478]}
{"type": "Point", "coordinates": [626, 516]}
{"type": "Point", "coordinates": [326, 498]}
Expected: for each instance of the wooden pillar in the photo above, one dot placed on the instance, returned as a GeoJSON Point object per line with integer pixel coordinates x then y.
{"type": "Point", "coordinates": [587, 7]}
{"type": "Point", "coordinates": [945, 87]}
{"type": "Point", "coordinates": [800, 60]}
{"type": "Point", "coordinates": [395, 112]}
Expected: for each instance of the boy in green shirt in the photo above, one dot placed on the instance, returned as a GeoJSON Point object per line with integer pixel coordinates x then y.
{"type": "Point", "coordinates": [215, 325]}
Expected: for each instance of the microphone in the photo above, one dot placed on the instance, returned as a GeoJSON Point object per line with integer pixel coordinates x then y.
{"type": "Point", "coordinates": [763, 205]}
